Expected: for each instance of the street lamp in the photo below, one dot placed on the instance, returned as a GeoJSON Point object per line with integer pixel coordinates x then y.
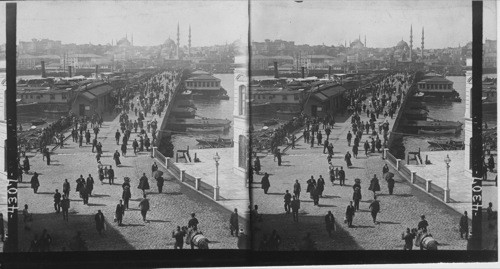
{"type": "Point", "coordinates": [216, 189]}
{"type": "Point", "coordinates": [447, 160]}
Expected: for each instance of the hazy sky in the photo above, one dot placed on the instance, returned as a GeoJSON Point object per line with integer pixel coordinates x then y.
{"type": "Point", "coordinates": [151, 22]}
{"type": "Point", "coordinates": [447, 23]}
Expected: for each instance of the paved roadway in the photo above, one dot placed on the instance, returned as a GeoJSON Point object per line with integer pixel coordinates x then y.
{"type": "Point", "coordinates": [399, 211]}
{"type": "Point", "coordinates": [169, 209]}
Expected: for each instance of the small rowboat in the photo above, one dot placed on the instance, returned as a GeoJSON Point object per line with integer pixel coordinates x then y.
{"type": "Point", "coordinates": [39, 122]}
{"type": "Point", "coordinates": [205, 130]}
{"type": "Point", "coordinates": [436, 132]}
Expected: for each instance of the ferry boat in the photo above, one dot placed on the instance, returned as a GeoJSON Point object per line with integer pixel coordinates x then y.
{"type": "Point", "coordinates": [205, 130]}
{"type": "Point", "coordinates": [432, 125]}
{"type": "Point", "coordinates": [416, 114]}
{"type": "Point", "coordinates": [178, 124]}
{"type": "Point", "coordinates": [183, 112]}
{"type": "Point", "coordinates": [437, 88]}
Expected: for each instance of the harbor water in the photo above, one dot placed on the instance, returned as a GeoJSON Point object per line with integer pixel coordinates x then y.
{"type": "Point", "coordinates": [449, 111]}
{"type": "Point", "coordinates": [218, 109]}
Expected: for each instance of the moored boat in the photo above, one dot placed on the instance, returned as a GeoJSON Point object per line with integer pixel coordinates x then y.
{"type": "Point", "coordinates": [447, 144]}
{"type": "Point", "coordinates": [205, 130]}
{"type": "Point", "coordinates": [432, 125]}
{"type": "Point", "coordinates": [436, 132]}
{"type": "Point", "coordinates": [416, 114]}
{"type": "Point", "coordinates": [39, 122]}
{"type": "Point", "coordinates": [181, 124]}
{"type": "Point", "coordinates": [216, 143]}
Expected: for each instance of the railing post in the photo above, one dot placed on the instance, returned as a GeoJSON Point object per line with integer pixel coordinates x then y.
{"type": "Point", "coordinates": [216, 193]}
{"type": "Point", "coordinates": [412, 177]}
{"type": "Point", "coordinates": [384, 153]}
{"type": "Point", "coordinates": [153, 152]}
{"type": "Point", "coordinates": [197, 183]}
{"type": "Point", "coordinates": [428, 185]}
{"type": "Point", "coordinates": [167, 159]}
{"type": "Point", "coordinates": [183, 171]}
{"type": "Point", "coordinates": [397, 164]}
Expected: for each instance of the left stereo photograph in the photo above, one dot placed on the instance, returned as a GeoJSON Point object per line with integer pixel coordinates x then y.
{"type": "Point", "coordinates": [132, 133]}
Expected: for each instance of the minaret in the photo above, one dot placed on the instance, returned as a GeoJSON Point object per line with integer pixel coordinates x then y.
{"type": "Point", "coordinates": [422, 52]}
{"type": "Point", "coordinates": [178, 40]}
{"type": "Point", "coordinates": [189, 40]}
{"type": "Point", "coordinates": [365, 41]}
{"type": "Point", "coordinates": [411, 40]}
{"type": "Point", "coordinates": [132, 41]}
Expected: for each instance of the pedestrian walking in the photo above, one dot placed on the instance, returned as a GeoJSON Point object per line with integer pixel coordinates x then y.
{"type": "Point", "coordinates": [123, 148]}
{"type": "Point", "coordinates": [90, 184]}
{"type": "Point", "coordinates": [374, 209]}
{"type": "Point", "coordinates": [126, 195]}
{"type": "Point", "coordinates": [35, 183]}
{"type": "Point", "coordinates": [408, 237]}
{"type": "Point", "coordinates": [116, 157]}
{"type": "Point", "coordinates": [355, 151]}
{"type": "Point", "coordinates": [99, 221]}
{"type": "Point", "coordinates": [349, 214]}
{"type": "Point", "coordinates": [356, 195]}
{"type": "Point", "coordinates": [325, 146]}
{"type": "Point", "coordinates": [85, 194]}
{"type": "Point", "coordinates": [390, 184]}
{"type": "Point", "coordinates": [57, 201]}
{"type": "Point", "coordinates": [119, 212]}
{"type": "Point", "coordinates": [464, 226]}
{"type": "Point", "coordinates": [111, 175]}
{"type": "Point", "coordinates": [367, 148]}
{"type": "Point", "coordinates": [144, 206]}
{"type": "Point", "coordinates": [193, 222]}
{"type": "Point", "coordinates": [330, 223]}
{"type": "Point", "coordinates": [94, 144]}
{"type": "Point", "coordinates": [278, 155]}
{"type": "Point", "coordinates": [233, 223]}
{"type": "Point", "coordinates": [265, 183]}
{"type": "Point", "coordinates": [319, 136]}
{"type": "Point", "coordinates": [65, 204]}
{"type": "Point", "coordinates": [342, 176]}
{"type": "Point", "coordinates": [178, 234]}
{"type": "Point", "coordinates": [349, 137]}
{"type": "Point", "coordinates": [296, 189]}
{"type": "Point", "coordinates": [320, 185]}
{"type": "Point", "coordinates": [347, 159]}
{"type": "Point", "coordinates": [154, 168]}
{"type": "Point", "coordinates": [423, 224]}
{"type": "Point", "coordinates": [80, 141]}
{"type": "Point", "coordinates": [293, 140]}
{"type": "Point", "coordinates": [374, 185]}
{"type": "Point", "coordinates": [385, 169]}
{"type": "Point", "coordinates": [310, 184]}
{"type": "Point", "coordinates": [143, 184]}
{"type": "Point", "coordinates": [287, 200]}
{"type": "Point", "coordinates": [315, 195]}
{"type": "Point", "coordinates": [135, 145]}
{"type": "Point", "coordinates": [491, 163]}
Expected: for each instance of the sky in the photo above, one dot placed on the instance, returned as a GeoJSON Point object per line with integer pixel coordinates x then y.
{"type": "Point", "coordinates": [447, 23]}
{"type": "Point", "coordinates": [385, 23]}
{"type": "Point", "coordinates": [150, 22]}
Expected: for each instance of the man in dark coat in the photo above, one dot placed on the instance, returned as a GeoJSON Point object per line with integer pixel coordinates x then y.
{"type": "Point", "coordinates": [87, 137]}
{"type": "Point", "coordinates": [390, 184]}
{"type": "Point", "coordinates": [287, 200]}
{"type": "Point", "coordinates": [325, 146]}
{"type": "Point", "coordinates": [375, 209]}
{"type": "Point", "coordinates": [179, 237]}
{"type": "Point", "coordinates": [154, 168]}
{"type": "Point", "coordinates": [48, 157]}
{"type": "Point", "coordinates": [320, 185]}
{"type": "Point", "coordinates": [342, 176]}
{"type": "Point", "coordinates": [296, 188]}
{"type": "Point", "coordinates": [256, 165]}
{"type": "Point", "coordinates": [330, 223]}
{"type": "Point", "coordinates": [278, 155]}
{"type": "Point", "coordinates": [65, 207]}
{"type": "Point", "coordinates": [315, 195]}
{"type": "Point", "coordinates": [85, 194]}
{"type": "Point", "coordinates": [117, 137]}
{"type": "Point", "coordinates": [193, 222]}
{"type": "Point", "coordinates": [491, 163]}
{"type": "Point", "coordinates": [265, 183]}
{"type": "Point", "coordinates": [135, 145]}
{"type": "Point", "coordinates": [144, 206]}
{"type": "Point", "coordinates": [233, 223]}
{"type": "Point", "coordinates": [57, 201]}
{"type": "Point", "coordinates": [295, 204]}
{"type": "Point", "coordinates": [408, 237]}
{"type": "Point", "coordinates": [35, 183]}
{"type": "Point", "coordinates": [464, 226]}
{"type": "Point", "coordinates": [90, 184]}
{"type": "Point", "coordinates": [111, 175]}
{"type": "Point", "coordinates": [94, 144]}
{"type": "Point", "coordinates": [66, 187]}
{"type": "Point", "coordinates": [99, 221]}
{"type": "Point", "coordinates": [116, 157]}
{"type": "Point", "coordinates": [143, 183]}
{"type": "Point", "coordinates": [119, 213]}
{"type": "Point", "coordinates": [349, 137]}
{"type": "Point", "coordinates": [423, 224]}
{"type": "Point", "coordinates": [356, 196]}
{"type": "Point", "coordinates": [159, 183]}
{"type": "Point", "coordinates": [349, 214]}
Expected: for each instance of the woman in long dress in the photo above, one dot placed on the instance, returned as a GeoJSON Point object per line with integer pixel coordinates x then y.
{"type": "Point", "coordinates": [347, 159]}
{"type": "Point", "coordinates": [116, 157]}
{"type": "Point", "coordinates": [265, 183]}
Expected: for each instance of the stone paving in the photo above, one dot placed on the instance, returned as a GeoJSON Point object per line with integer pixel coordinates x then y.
{"type": "Point", "coordinates": [398, 211]}
{"type": "Point", "coordinates": [169, 209]}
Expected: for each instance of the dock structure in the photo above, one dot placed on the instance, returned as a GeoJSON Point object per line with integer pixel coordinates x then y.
{"type": "Point", "coordinates": [169, 209]}
{"type": "Point", "coordinates": [400, 210]}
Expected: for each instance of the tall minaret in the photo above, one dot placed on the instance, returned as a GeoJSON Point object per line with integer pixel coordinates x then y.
{"type": "Point", "coordinates": [411, 40]}
{"type": "Point", "coordinates": [178, 40]}
{"type": "Point", "coordinates": [365, 41]}
{"type": "Point", "coordinates": [422, 52]}
{"type": "Point", "coordinates": [189, 40]}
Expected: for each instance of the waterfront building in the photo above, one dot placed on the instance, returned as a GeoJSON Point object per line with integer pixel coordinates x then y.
{"type": "Point", "coordinates": [241, 117]}
{"type": "Point", "coordinates": [325, 100]}
{"type": "Point", "coordinates": [203, 83]}
{"type": "Point", "coordinates": [92, 98]}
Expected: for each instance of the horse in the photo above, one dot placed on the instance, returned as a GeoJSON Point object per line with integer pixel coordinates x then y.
{"type": "Point", "coordinates": [195, 238]}
{"type": "Point", "coordinates": [424, 240]}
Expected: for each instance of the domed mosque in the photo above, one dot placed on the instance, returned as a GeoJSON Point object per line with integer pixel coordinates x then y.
{"type": "Point", "coordinates": [403, 52]}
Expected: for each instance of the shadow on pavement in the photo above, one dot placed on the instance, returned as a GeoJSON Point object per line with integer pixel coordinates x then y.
{"type": "Point", "coordinates": [292, 233]}
{"type": "Point", "coordinates": [62, 232]}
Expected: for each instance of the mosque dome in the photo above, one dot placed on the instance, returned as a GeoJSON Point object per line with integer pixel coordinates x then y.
{"type": "Point", "coordinates": [402, 45]}
{"type": "Point", "coordinates": [357, 44]}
